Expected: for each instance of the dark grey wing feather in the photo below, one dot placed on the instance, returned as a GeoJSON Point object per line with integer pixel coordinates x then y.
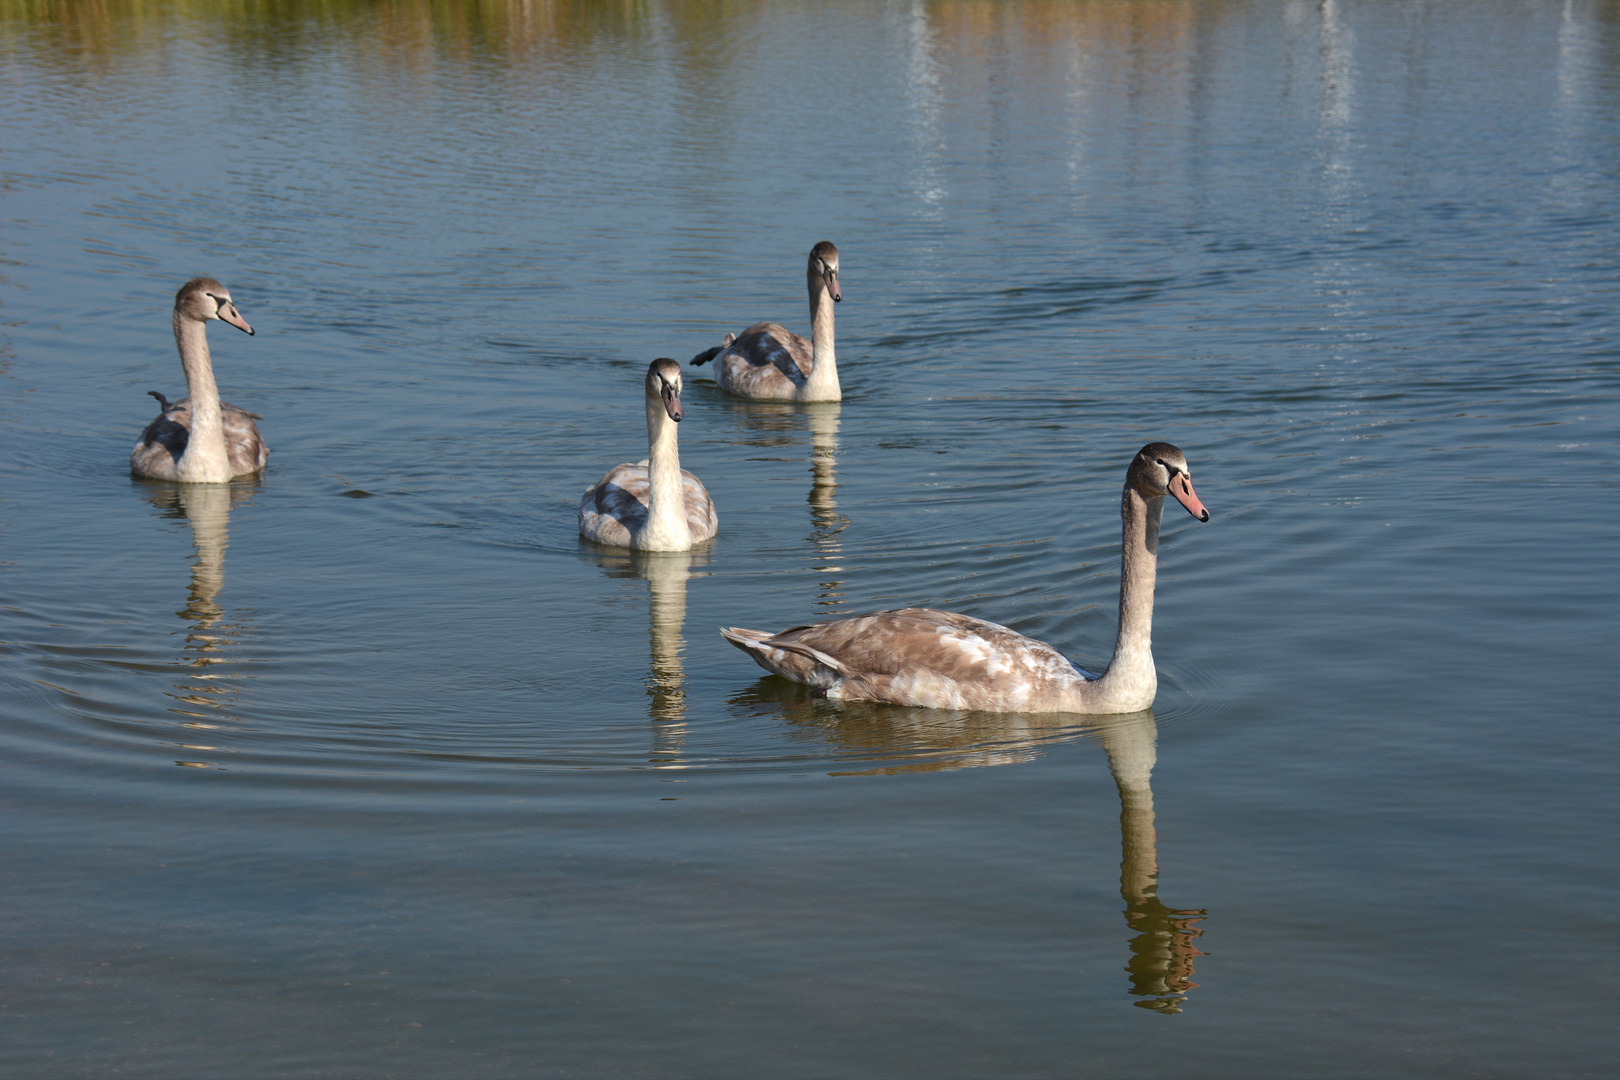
{"type": "Point", "coordinates": [170, 433]}
{"type": "Point", "coordinates": [774, 344]}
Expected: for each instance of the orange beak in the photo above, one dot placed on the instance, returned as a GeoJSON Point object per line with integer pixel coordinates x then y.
{"type": "Point", "coordinates": [1181, 488]}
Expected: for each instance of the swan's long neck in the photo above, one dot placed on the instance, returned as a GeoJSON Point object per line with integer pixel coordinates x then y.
{"type": "Point", "coordinates": [822, 385]}
{"type": "Point", "coordinates": [1130, 682]}
{"type": "Point", "coordinates": [666, 528]}
{"type": "Point", "coordinates": [205, 460]}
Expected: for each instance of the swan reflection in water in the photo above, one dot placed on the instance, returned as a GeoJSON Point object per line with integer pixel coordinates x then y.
{"type": "Point", "coordinates": [1162, 951]}
{"type": "Point", "coordinates": [205, 694]}
{"type": "Point", "coordinates": [1162, 938]}
{"type": "Point", "coordinates": [666, 574]}
{"type": "Point", "coordinates": [826, 523]}
{"type": "Point", "coordinates": [775, 427]}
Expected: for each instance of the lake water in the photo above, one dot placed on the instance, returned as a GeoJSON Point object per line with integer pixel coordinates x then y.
{"type": "Point", "coordinates": [370, 767]}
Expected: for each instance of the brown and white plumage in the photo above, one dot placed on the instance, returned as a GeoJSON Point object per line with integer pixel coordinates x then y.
{"type": "Point", "coordinates": [915, 656]}
{"type": "Point", "coordinates": [614, 510]}
{"type": "Point", "coordinates": [200, 439]}
{"type": "Point", "coordinates": [939, 659]}
{"type": "Point", "coordinates": [767, 361]}
{"type": "Point", "coordinates": [165, 438]}
{"type": "Point", "coordinates": [651, 505]}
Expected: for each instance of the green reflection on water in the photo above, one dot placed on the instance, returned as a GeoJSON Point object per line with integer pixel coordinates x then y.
{"type": "Point", "coordinates": [522, 26]}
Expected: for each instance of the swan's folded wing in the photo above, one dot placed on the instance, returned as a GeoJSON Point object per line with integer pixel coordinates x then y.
{"type": "Point", "coordinates": [615, 505]}
{"type": "Point", "coordinates": [701, 517]}
{"type": "Point", "coordinates": [773, 344]}
{"type": "Point", "coordinates": [243, 445]}
{"type": "Point", "coordinates": [923, 656]}
{"type": "Point", "coordinates": [767, 361]}
{"type": "Point", "coordinates": [890, 642]}
{"type": "Point", "coordinates": [169, 431]}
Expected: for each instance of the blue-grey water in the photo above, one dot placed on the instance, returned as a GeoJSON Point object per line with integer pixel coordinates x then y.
{"type": "Point", "coordinates": [369, 766]}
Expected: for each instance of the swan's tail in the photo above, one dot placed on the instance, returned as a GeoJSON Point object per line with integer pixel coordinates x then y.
{"type": "Point", "coordinates": [789, 659]}
{"type": "Point", "coordinates": [709, 354]}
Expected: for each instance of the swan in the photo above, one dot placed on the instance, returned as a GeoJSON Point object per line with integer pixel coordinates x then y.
{"type": "Point", "coordinates": [651, 505]}
{"type": "Point", "coordinates": [199, 439]}
{"type": "Point", "coordinates": [939, 659]}
{"type": "Point", "coordinates": [770, 362]}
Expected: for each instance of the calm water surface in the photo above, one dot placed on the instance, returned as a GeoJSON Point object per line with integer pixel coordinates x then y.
{"type": "Point", "coordinates": [369, 766]}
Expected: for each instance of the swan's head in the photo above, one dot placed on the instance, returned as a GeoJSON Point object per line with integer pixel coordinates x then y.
{"type": "Point", "coordinates": [205, 298]}
{"type": "Point", "coordinates": [824, 264]}
{"type": "Point", "coordinates": [664, 385]}
{"type": "Point", "coordinates": [1161, 469]}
